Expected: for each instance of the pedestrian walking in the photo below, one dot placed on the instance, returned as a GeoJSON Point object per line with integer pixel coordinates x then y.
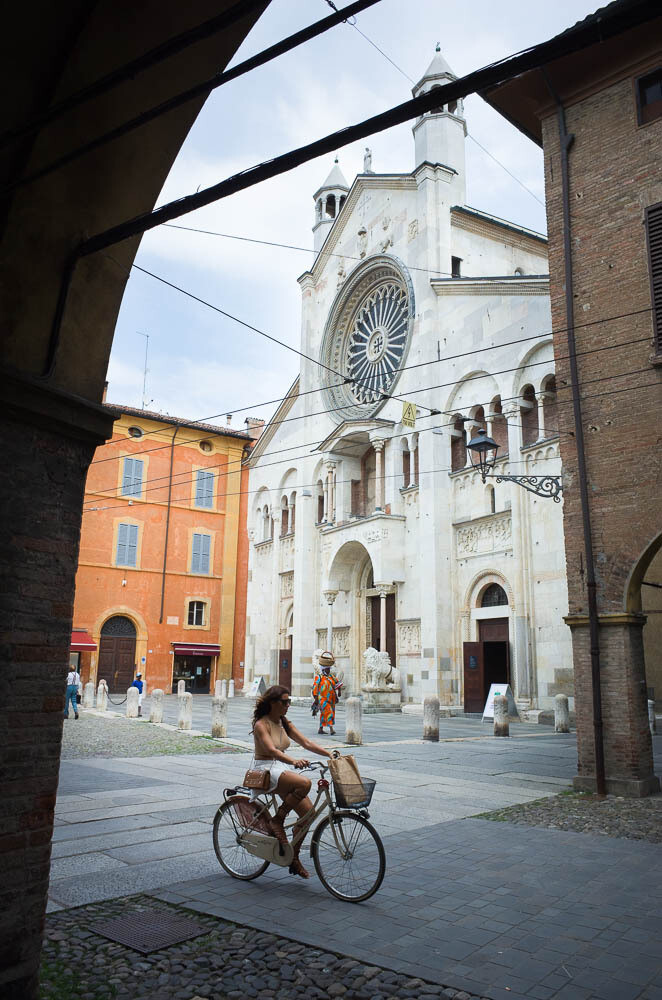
{"type": "Point", "coordinates": [73, 681]}
{"type": "Point", "coordinates": [138, 683]}
{"type": "Point", "coordinates": [325, 692]}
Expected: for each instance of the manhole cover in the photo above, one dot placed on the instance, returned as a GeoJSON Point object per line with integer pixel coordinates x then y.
{"type": "Point", "coordinates": [149, 930]}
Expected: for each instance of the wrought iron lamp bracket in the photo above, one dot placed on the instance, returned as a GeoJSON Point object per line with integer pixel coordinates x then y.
{"type": "Point", "coordinates": [542, 486]}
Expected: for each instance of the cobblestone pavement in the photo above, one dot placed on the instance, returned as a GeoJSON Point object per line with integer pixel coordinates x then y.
{"type": "Point", "coordinates": [613, 816]}
{"type": "Point", "coordinates": [229, 962]}
{"type": "Point", "coordinates": [112, 736]}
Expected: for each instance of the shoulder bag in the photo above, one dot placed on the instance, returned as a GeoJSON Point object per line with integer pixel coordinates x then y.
{"type": "Point", "coordinates": [257, 779]}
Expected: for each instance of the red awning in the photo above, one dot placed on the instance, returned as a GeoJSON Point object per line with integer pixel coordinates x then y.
{"type": "Point", "coordinates": [81, 642]}
{"type": "Point", "coordinates": [195, 649]}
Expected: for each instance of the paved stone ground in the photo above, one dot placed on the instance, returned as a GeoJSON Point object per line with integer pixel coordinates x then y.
{"type": "Point", "coordinates": [613, 816]}
{"type": "Point", "coordinates": [228, 961]}
{"type": "Point", "coordinates": [496, 909]}
{"type": "Point", "coordinates": [94, 735]}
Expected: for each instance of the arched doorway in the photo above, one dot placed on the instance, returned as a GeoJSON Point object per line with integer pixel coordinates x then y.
{"type": "Point", "coordinates": [644, 596]}
{"type": "Point", "coordinates": [487, 661]}
{"type": "Point", "coordinates": [285, 652]}
{"type": "Point", "coordinates": [117, 653]}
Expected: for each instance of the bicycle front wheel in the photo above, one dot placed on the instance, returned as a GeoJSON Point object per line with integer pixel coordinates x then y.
{"type": "Point", "coordinates": [348, 856]}
{"type": "Point", "coordinates": [231, 853]}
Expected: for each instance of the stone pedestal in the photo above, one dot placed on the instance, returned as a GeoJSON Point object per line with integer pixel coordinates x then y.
{"type": "Point", "coordinates": [561, 714]}
{"type": "Point", "coordinates": [431, 718]}
{"type": "Point", "coordinates": [501, 726]}
{"type": "Point", "coordinates": [185, 720]}
{"type": "Point", "coordinates": [156, 706]}
{"type": "Point", "coordinates": [102, 696]}
{"type": "Point", "coordinates": [181, 688]}
{"type": "Point", "coordinates": [380, 701]}
{"type": "Point", "coordinates": [219, 717]}
{"type": "Point", "coordinates": [88, 695]}
{"type": "Point", "coordinates": [132, 696]}
{"type": "Point", "coordinates": [353, 721]}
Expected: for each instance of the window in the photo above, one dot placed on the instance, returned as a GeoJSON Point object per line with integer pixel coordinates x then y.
{"type": "Point", "coordinates": [654, 238]}
{"type": "Point", "coordinates": [494, 596]}
{"type": "Point", "coordinates": [204, 489]}
{"type": "Point", "coordinates": [127, 545]}
{"type": "Point", "coordinates": [456, 267]}
{"type": "Point", "coordinates": [649, 97]}
{"type": "Point", "coordinates": [206, 446]}
{"type": "Point", "coordinates": [458, 445]}
{"type": "Point", "coordinates": [135, 432]}
{"type": "Point", "coordinates": [200, 553]}
{"type": "Point", "coordinates": [132, 477]}
{"type": "Point", "coordinates": [529, 416]}
{"type": "Point", "coordinates": [196, 612]}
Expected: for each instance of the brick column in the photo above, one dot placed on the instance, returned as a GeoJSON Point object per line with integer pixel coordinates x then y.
{"type": "Point", "coordinates": [48, 439]}
{"type": "Point", "coordinates": [627, 739]}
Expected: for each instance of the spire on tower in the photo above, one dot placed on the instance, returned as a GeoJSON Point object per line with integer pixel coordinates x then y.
{"type": "Point", "coordinates": [329, 199]}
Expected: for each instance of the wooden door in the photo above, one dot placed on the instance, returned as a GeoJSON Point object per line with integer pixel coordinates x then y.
{"type": "Point", "coordinates": [285, 668]}
{"type": "Point", "coordinates": [117, 655]}
{"type": "Point", "coordinates": [474, 677]}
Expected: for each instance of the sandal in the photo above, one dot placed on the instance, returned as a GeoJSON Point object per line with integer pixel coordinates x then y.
{"type": "Point", "coordinates": [320, 731]}
{"type": "Point", "coordinates": [332, 731]}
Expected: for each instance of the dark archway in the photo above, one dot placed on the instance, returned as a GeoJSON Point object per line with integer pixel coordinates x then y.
{"type": "Point", "coordinates": [51, 420]}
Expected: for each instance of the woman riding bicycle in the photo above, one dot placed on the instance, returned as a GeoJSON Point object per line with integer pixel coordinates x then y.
{"type": "Point", "coordinates": [273, 733]}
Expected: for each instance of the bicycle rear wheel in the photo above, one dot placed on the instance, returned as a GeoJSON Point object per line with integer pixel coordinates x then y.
{"type": "Point", "coordinates": [349, 856]}
{"type": "Point", "coordinates": [231, 853]}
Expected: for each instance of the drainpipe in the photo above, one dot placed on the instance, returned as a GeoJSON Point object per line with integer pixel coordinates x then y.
{"type": "Point", "coordinates": [566, 140]}
{"type": "Point", "coordinates": [167, 529]}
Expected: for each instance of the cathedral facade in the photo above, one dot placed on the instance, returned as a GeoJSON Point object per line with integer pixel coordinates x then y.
{"type": "Point", "coordinates": [423, 320]}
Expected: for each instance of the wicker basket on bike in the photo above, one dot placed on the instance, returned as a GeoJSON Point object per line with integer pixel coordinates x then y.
{"type": "Point", "coordinates": [351, 790]}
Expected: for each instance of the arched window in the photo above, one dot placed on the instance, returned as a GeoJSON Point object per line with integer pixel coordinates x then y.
{"type": "Point", "coordinates": [491, 500]}
{"type": "Point", "coordinates": [293, 511]}
{"type": "Point", "coordinates": [550, 407]}
{"type": "Point", "coordinates": [331, 206]}
{"type": "Point", "coordinates": [499, 426]}
{"type": "Point", "coordinates": [343, 199]}
{"type": "Point", "coordinates": [519, 271]}
{"type": "Point", "coordinates": [283, 517]}
{"type": "Point", "coordinates": [493, 596]}
{"type": "Point", "coordinates": [406, 464]}
{"type": "Point", "coordinates": [529, 416]}
{"type": "Point", "coordinates": [119, 625]}
{"type": "Point", "coordinates": [266, 524]}
{"type": "Point", "coordinates": [458, 445]}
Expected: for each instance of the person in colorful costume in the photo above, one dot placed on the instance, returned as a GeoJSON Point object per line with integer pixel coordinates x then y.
{"type": "Point", "coordinates": [325, 693]}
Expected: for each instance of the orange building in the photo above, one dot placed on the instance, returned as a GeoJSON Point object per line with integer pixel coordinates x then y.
{"type": "Point", "coordinates": [162, 569]}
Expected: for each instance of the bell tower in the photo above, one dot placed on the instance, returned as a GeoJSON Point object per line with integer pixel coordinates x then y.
{"type": "Point", "coordinates": [329, 199]}
{"type": "Point", "coordinates": [439, 134]}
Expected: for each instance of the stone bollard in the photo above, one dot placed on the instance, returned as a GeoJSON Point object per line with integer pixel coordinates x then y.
{"type": "Point", "coordinates": [431, 718]}
{"type": "Point", "coordinates": [231, 688]}
{"type": "Point", "coordinates": [185, 720]}
{"type": "Point", "coordinates": [156, 706]}
{"type": "Point", "coordinates": [224, 688]}
{"type": "Point", "coordinates": [102, 696]}
{"type": "Point", "coordinates": [353, 721]}
{"type": "Point", "coordinates": [501, 727]}
{"type": "Point", "coordinates": [88, 695]}
{"type": "Point", "coordinates": [132, 696]}
{"type": "Point", "coordinates": [218, 693]}
{"type": "Point", "coordinates": [561, 714]}
{"type": "Point", "coordinates": [219, 717]}
{"type": "Point", "coordinates": [651, 717]}
{"type": "Point", "coordinates": [181, 687]}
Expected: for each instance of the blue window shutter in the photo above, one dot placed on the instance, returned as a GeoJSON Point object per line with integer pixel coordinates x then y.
{"type": "Point", "coordinates": [121, 544]}
{"type": "Point", "coordinates": [204, 489]}
{"type": "Point", "coordinates": [204, 559]}
{"type": "Point", "coordinates": [132, 544]}
{"type": "Point", "coordinates": [132, 477]}
{"type": "Point", "coordinates": [195, 554]}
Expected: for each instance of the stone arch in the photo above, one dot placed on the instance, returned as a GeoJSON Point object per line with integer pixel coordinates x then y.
{"type": "Point", "coordinates": [632, 596]}
{"type": "Point", "coordinates": [536, 364]}
{"type": "Point", "coordinates": [479, 585]}
{"type": "Point", "coordinates": [348, 565]}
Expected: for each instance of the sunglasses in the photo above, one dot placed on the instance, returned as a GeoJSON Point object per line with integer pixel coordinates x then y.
{"type": "Point", "coordinates": [285, 701]}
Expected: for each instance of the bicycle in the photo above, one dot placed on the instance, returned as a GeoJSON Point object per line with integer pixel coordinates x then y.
{"type": "Point", "coordinates": [347, 851]}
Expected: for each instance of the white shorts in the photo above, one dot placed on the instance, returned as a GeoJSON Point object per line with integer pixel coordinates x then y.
{"type": "Point", "coordinates": [275, 768]}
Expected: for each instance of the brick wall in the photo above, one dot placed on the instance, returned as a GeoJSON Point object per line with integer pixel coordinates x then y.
{"type": "Point", "coordinates": [614, 175]}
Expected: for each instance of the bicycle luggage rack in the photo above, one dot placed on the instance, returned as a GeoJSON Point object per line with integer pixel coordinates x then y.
{"type": "Point", "coordinates": [354, 796]}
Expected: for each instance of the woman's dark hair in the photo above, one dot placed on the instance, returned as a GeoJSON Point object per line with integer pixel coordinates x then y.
{"type": "Point", "coordinates": [265, 701]}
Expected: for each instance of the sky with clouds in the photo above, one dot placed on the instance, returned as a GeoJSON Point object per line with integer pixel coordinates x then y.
{"type": "Point", "coordinates": [202, 364]}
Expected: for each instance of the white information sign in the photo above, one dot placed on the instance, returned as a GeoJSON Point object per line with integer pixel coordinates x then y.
{"type": "Point", "coordinates": [495, 689]}
{"type": "Point", "coordinates": [257, 688]}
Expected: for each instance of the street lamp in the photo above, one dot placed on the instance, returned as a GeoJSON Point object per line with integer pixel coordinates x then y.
{"type": "Point", "coordinates": [483, 454]}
